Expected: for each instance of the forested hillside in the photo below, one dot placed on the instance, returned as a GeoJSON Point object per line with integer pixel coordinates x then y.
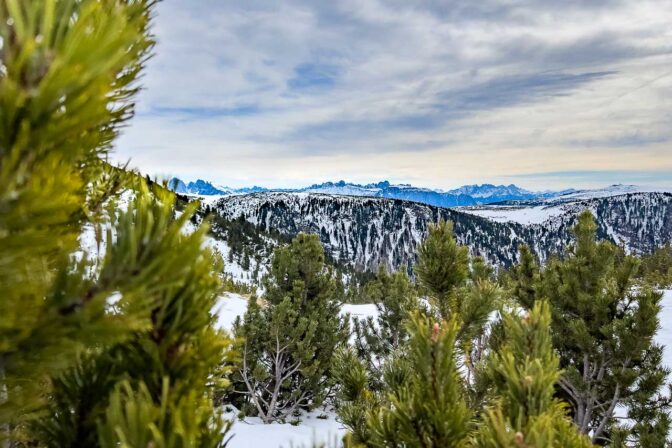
{"type": "Point", "coordinates": [367, 232]}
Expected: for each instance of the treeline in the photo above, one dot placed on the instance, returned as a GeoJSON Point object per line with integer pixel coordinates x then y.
{"type": "Point", "coordinates": [657, 267]}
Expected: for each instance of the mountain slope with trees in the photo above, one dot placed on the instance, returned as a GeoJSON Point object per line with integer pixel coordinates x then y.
{"type": "Point", "coordinates": [368, 232]}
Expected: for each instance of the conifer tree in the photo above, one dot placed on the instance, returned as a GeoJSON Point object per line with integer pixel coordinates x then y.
{"type": "Point", "coordinates": [442, 267]}
{"type": "Point", "coordinates": [603, 328]}
{"type": "Point", "coordinates": [657, 267]}
{"type": "Point", "coordinates": [67, 80]}
{"type": "Point", "coordinates": [524, 372]}
{"type": "Point", "coordinates": [114, 348]}
{"type": "Point", "coordinates": [289, 343]}
{"type": "Point", "coordinates": [525, 278]}
{"type": "Point", "coordinates": [458, 287]}
{"type": "Point", "coordinates": [425, 402]}
{"type": "Point", "coordinates": [355, 399]}
{"type": "Point", "coordinates": [429, 408]}
{"type": "Point", "coordinates": [171, 359]}
{"type": "Point", "coordinates": [396, 300]}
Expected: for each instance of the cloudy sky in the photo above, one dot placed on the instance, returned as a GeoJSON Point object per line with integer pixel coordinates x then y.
{"type": "Point", "coordinates": [435, 93]}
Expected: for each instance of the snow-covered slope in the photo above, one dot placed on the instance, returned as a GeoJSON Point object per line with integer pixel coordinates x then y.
{"type": "Point", "coordinates": [366, 232]}
{"type": "Point", "coordinates": [664, 336]}
{"type": "Point", "coordinates": [642, 221]}
{"type": "Point", "coordinates": [539, 210]}
{"type": "Point", "coordinates": [612, 190]}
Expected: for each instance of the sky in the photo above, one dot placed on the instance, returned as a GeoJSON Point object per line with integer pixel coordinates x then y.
{"type": "Point", "coordinates": [434, 93]}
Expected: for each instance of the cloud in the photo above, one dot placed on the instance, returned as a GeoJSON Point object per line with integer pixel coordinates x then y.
{"type": "Point", "coordinates": [601, 178]}
{"type": "Point", "coordinates": [261, 86]}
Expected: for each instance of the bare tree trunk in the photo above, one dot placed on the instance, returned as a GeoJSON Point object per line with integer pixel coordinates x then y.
{"type": "Point", "coordinates": [607, 415]}
{"type": "Point", "coordinates": [272, 410]}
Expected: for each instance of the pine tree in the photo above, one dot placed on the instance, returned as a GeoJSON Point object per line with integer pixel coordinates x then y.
{"type": "Point", "coordinates": [524, 372]}
{"type": "Point", "coordinates": [525, 278]}
{"type": "Point", "coordinates": [355, 399]}
{"type": "Point", "coordinates": [172, 358]}
{"type": "Point", "coordinates": [245, 262]}
{"type": "Point", "coordinates": [289, 343]}
{"type": "Point", "coordinates": [429, 408]}
{"type": "Point", "coordinates": [657, 267]}
{"type": "Point", "coordinates": [442, 267]}
{"type": "Point", "coordinates": [68, 77]}
{"type": "Point", "coordinates": [603, 329]}
{"type": "Point", "coordinates": [425, 403]}
{"type": "Point", "coordinates": [396, 300]}
{"type": "Point", "coordinates": [458, 287]}
{"type": "Point", "coordinates": [90, 338]}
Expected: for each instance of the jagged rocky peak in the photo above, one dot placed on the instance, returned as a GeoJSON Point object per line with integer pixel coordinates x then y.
{"type": "Point", "coordinates": [177, 185]}
{"type": "Point", "coordinates": [198, 187]}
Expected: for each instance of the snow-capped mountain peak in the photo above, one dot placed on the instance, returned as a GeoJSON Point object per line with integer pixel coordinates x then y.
{"type": "Point", "coordinates": [490, 190]}
{"type": "Point", "coordinates": [467, 195]}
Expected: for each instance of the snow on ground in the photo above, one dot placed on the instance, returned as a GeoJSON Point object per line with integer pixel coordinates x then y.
{"type": "Point", "coordinates": [537, 211]}
{"type": "Point", "coordinates": [315, 428]}
{"type": "Point", "coordinates": [664, 335]}
{"type": "Point", "coordinates": [359, 311]}
{"type": "Point", "coordinates": [523, 215]}
{"type": "Point", "coordinates": [612, 190]}
{"type": "Point", "coordinates": [229, 307]}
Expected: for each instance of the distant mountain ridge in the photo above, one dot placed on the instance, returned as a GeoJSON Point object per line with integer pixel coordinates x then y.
{"type": "Point", "coordinates": [365, 232]}
{"type": "Point", "coordinates": [468, 195]}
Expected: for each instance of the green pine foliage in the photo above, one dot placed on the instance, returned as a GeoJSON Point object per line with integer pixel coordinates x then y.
{"type": "Point", "coordinates": [289, 342]}
{"type": "Point", "coordinates": [657, 267]}
{"type": "Point", "coordinates": [425, 401]}
{"type": "Point", "coordinates": [67, 78]}
{"type": "Point", "coordinates": [523, 279]}
{"type": "Point", "coordinates": [396, 300]}
{"type": "Point", "coordinates": [442, 268]}
{"type": "Point", "coordinates": [429, 408]}
{"type": "Point", "coordinates": [355, 399]}
{"type": "Point", "coordinates": [459, 287]}
{"type": "Point", "coordinates": [173, 357]}
{"type": "Point", "coordinates": [603, 328]}
{"type": "Point", "coordinates": [113, 347]}
{"type": "Point", "coordinates": [424, 393]}
{"type": "Point", "coordinates": [524, 373]}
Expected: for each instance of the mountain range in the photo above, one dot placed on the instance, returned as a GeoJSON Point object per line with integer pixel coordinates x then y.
{"type": "Point", "coordinates": [467, 195]}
